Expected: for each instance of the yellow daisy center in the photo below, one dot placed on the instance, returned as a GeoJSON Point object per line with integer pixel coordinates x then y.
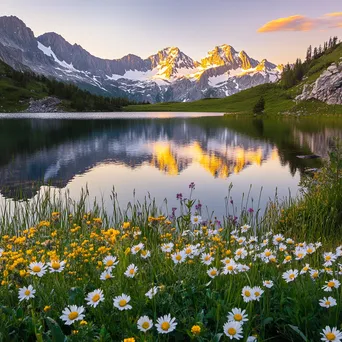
{"type": "Point", "coordinates": [36, 269]}
{"type": "Point", "coordinates": [27, 292]}
{"type": "Point", "coordinates": [165, 326]}
{"type": "Point", "coordinates": [207, 258]}
{"type": "Point", "coordinates": [195, 219]}
{"type": "Point", "coordinates": [278, 239]}
{"type": "Point", "coordinates": [238, 317]}
{"type": "Point", "coordinates": [291, 276]}
{"type": "Point", "coordinates": [188, 251]}
{"type": "Point", "coordinates": [300, 255]}
{"type": "Point", "coordinates": [257, 294]}
{"type": "Point", "coordinates": [331, 284]}
{"type": "Point", "coordinates": [309, 250]}
{"type": "Point", "coordinates": [328, 257]}
{"type": "Point", "coordinates": [73, 315]}
{"type": "Point", "coordinates": [109, 263]}
{"type": "Point", "coordinates": [330, 336]}
{"type": "Point", "coordinates": [213, 272]}
{"type": "Point", "coordinates": [239, 252]}
{"type": "Point", "coordinates": [230, 268]}
{"type": "Point", "coordinates": [145, 325]}
{"type": "Point", "coordinates": [96, 298]}
{"type": "Point", "coordinates": [56, 265]}
{"type": "Point", "coordinates": [268, 253]}
{"type": "Point", "coordinates": [232, 331]}
{"type": "Point", "coordinates": [327, 302]}
{"type": "Point", "coordinates": [122, 302]}
{"type": "Point", "coordinates": [288, 257]}
{"type": "Point", "coordinates": [178, 257]}
{"type": "Point", "coordinates": [131, 271]}
{"type": "Point", "coordinates": [315, 275]}
{"type": "Point", "coordinates": [107, 276]}
{"type": "Point", "coordinates": [247, 293]}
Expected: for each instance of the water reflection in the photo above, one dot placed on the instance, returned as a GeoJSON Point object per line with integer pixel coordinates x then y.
{"type": "Point", "coordinates": [127, 154]}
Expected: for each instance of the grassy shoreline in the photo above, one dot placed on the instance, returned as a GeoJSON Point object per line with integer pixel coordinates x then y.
{"type": "Point", "coordinates": [278, 268]}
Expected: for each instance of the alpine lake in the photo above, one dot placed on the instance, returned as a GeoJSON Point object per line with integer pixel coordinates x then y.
{"type": "Point", "coordinates": [235, 162]}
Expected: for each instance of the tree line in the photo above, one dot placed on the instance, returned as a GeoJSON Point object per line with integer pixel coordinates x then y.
{"type": "Point", "coordinates": [293, 74]}
{"type": "Point", "coordinates": [78, 99]}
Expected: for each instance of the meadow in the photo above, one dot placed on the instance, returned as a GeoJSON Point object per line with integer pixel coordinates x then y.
{"type": "Point", "coordinates": [70, 271]}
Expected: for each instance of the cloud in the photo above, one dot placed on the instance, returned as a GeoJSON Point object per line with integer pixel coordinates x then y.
{"type": "Point", "coordinates": [303, 23]}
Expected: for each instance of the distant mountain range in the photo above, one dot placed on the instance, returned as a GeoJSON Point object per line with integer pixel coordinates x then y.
{"type": "Point", "coordinates": [169, 75]}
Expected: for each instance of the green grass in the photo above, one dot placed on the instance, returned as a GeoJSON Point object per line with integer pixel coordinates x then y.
{"type": "Point", "coordinates": [58, 228]}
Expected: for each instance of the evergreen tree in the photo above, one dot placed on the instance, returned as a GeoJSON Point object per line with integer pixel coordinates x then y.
{"type": "Point", "coordinates": [309, 53]}
{"type": "Point", "coordinates": [259, 106]}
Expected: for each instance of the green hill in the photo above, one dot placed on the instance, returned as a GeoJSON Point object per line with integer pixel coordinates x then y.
{"type": "Point", "coordinates": [17, 88]}
{"type": "Point", "coordinates": [278, 99]}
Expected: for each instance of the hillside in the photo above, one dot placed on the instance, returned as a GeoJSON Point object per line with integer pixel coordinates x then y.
{"type": "Point", "coordinates": [277, 98]}
{"type": "Point", "coordinates": [17, 89]}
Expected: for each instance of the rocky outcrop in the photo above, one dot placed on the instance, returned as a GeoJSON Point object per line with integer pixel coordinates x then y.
{"type": "Point", "coordinates": [46, 105]}
{"type": "Point", "coordinates": [327, 88]}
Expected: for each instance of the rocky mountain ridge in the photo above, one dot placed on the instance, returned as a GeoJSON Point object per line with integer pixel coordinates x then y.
{"type": "Point", "coordinates": [168, 75]}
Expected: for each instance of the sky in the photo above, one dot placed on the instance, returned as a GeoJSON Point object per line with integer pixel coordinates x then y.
{"type": "Point", "coordinates": [113, 28]}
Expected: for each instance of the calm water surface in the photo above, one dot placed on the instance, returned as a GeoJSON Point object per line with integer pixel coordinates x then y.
{"type": "Point", "coordinates": [160, 154]}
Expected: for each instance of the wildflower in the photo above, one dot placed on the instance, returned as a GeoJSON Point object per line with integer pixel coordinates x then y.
{"type": "Point", "coordinates": [331, 334]}
{"type": "Point", "coordinates": [167, 247]}
{"type": "Point", "coordinates": [72, 314]}
{"type": "Point", "coordinates": [257, 292]}
{"type": "Point", "coordinates": [329, 258]}
{"type": "Point", "coordinates": [247, 294]}
{"type": "Point", "coordinates": [277, 239]}
{"type": "Point", "coordinates": [145, 254]}
{"type": "Point", "coordinates": [144, 323]}
{"type": "Point", "coordinates": [130, 339]}
{"type": "Point", "coordinates": [26, 293]}
{"type": "Point", "coordinates": [131, 271]}
{"type": "Point", "coordinates": [268, 283]}
{"type": "Point", "coordinates": [327, 302]}
{"type": "Point", "coordinates": [196, 329]}
{"type": "Point", "coordinates": [166, 324]}
{"type": "Point", "coordinates": [206, 258]}
{"type": "Point", "coordinates": [290, 275]}
{"type": "Point", "coordinates": [245, 228]}
{"type": "Point", "coordinates": [56, 266]}
{"type": "Point", "coordinates": [233, 330]}
{"type": "Point", "coordinates": [305, 269]}
{"type": "Point", "coordinates": [237, 315]}
{"type": "Point", "coordinates": [213, 272]}
{"type": "Point", "coordinates": [314, 274]}
{"type": "Point", "coordinates": [47, 308]}
{"type": "Point", "coordinates": [230, 268]}
{"type": "Point", "coordinates": [121, 302]}
{"type": "Point", "coordinates": [107, 274]}
{"type": "Point", "coordinates": [178, 257]}
{"type": "Point", "coordinates": [83, 322]}
{"type": "Point", "coordinates": [37, 268]}
{"type": "Point", "coordinates": [110, 261]}
{"type": "Point", "coordinates": [135, 249]}
{"type": "Point", "coordinates": [333, 283]}
{"type": "Point", "coordinates": [95, 298]}
{"type": "Point", "coordinates": [196, 219]}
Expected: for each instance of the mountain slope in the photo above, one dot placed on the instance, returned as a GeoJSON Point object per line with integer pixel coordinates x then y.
{"type": "Point", "coordinates": [168, 75]}
{"type": "Point", "coordinates": [278, 100]}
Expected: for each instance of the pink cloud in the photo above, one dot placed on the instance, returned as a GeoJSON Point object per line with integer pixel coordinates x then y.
{"type": "Point", "coordinates": [302, 23]}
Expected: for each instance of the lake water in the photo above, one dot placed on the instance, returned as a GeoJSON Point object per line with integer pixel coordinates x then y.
{"type": "Point", "coordinates": [159, 154]}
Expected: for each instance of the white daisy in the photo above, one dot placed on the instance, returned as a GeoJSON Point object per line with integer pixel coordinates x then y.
{"type": "Point", "coordinates": [257, 292]}
{"type": "Point", "coordinates": [1, 251]}
{"type": "Point", "coordinates": [331, 334]}
{"type": "Point", "coordinates": [144, 323]}
{"type": "Point", "coordinates": [314, 274]}
{"type": "Point", "coordinates": [327, 302]}
{"type": "Point", "coordinates": [333, 283]}
{"type": "Point", "coordinates": [131, 271]}
{"type": "Point", "coordinates": [56, 266]}
{"type": "Point", "coordinates": [245, 228]}
{"type": "Point", "coordinates": [137, 248]}
{"type": "Point", "coordinates": [213, 272]}
{"type": "Point", "coordinates": [196, 219]}
{"type": "Point", "coordinates": [237, 315]}
{"type": "Point", "coordinates": [247, 294]}
{"type": "Point", "coordinates": [121, 302]}
{"type": "Point", "coordinates": [290, 275]}
{"type": "Point", "coordinates": [72, 313]}
{"type": "Point", "coordinates": [152, 292]}
{"type": "Point", "coordinates": [107, 274]}
{"type": "Point", "coordinates": [329, 258]}
{"type": "Point", "coordinates": [178, 257]}
{"type": "Point", "coordinates": [110, 261]}
{"type": "Point", "coordinates": [206, 258]}
{"type": "Point", "coordinates": [166, 324]}
{"type": "Point", "coordinates": [26, 293]}
{"type": "Point", "coordinates": [167, 247]}
{"type": "Point", "coordinates": [277, 239]}
{"type": "Point", "coordinates": [240, 253]}
{"type": "Point", "coordinates": [37, 268]}
{"type": "Point", "coordinates": [233, 330]}
{"type": "Point", "coordinates": [145, 254]}
{"type": "Point", "coordinates": [95, 298]}
{"type": "Point", "coordinates": [267, 283]}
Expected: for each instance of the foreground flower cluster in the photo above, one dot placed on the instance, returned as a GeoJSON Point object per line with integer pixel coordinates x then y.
{"type": "Point", "coordinates": [156, 278]}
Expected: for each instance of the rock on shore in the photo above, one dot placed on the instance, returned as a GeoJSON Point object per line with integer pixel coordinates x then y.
{"type": "Point", "coordinates": [45, 105]}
